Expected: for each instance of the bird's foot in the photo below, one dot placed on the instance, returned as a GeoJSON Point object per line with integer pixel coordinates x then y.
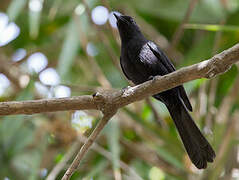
{"type": "Point", "coordinates": [153, 78]}
{"type": "Point", "coordinates": [125, 88]}
{"type": "Point", "coordinates": [127, 91]}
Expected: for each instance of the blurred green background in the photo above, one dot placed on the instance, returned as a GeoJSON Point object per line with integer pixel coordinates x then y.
{"type": "Point", "coordinates": [59, 48]}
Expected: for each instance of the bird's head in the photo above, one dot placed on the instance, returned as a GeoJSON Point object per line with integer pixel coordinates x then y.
{"type": "Point", "coordinates": [127, 27]}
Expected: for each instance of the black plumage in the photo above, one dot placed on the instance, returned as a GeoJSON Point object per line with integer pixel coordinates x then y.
{"type": "Point", "coordinates": [140, 61]}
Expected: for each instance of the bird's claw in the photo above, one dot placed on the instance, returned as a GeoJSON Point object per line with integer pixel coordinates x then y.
{"type": "Point", "coordinates": [153, 78]}
{"type": "Point", "coordinates": [125, 88]}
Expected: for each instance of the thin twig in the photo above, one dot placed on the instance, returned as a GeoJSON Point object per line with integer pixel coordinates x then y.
{"type": "Point", "coordinates": [102, 38]}
{"type": "Point", "coordinates": [150, 156]}
{"type": "Point", "coordinates": [224, 147]}
{"type": "Point", "coordinates": [96, 147]}
{"type": "Point", "coordinates": [210, 105]}
{"type": "Point", "coordinates": [226, 138]}
{"type": "Point", "coordinates": [57, 169]}
{"type": "Point", "coordinates": [5, 69]}
{"type": "Point", "coordinates": [202, 100]}
{"type": "Point", "coordinates": [157, 117]}
{"type": "Point", "coordinates": [213, 83]}
{"type": "Point", "coordinates": [84, 149]}
{"type": "Point", "coordinates": [96, 69]}
{"type": "Point", "coordinates": [227, 102]}
{"type": "Point", "coordinates": [139, 129]}
{"type": "Point", "coordinates": [179, 32]}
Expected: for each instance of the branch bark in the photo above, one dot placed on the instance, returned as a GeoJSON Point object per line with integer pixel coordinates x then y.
{"type": "Point", "coordinates": [218, 64]}
{"type": "Point", "coordinates": [47, 105]}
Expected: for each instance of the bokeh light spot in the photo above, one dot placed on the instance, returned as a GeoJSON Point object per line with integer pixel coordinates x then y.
{"type": "Point", "coordinates": [41, 89]}
{"type": "Point", "coordinates": [62, 91]}
{"type": "Point", "coordinates": [43, 172]}
{"type": "Point", "coordinates": [24, 80]}
{"type": "Point", "coordinates": [35, 5]}
{"type": "Point", "coordinates": [8, 31]}
{"type": "Point", "coordinates": [19, 54]}
{"type": "Point", "coordinates": [49, 77]}
{"type": "Point", "coordinates": [4, 83]}
{"type": "Point", "coordinates": [235, 173]}
{"type": "Point", "coordinates": [80, 9]}
{"type": "Point", "coordinates": [91, 49]}
{"type": "Point", "coordinates": [81, 121]}
{"type": "Point", "coordinates": [3, 21]}
{"type": "Point", "coordinates": [37, 62]}
{"type": "Point", "coordinates": [100, 15]}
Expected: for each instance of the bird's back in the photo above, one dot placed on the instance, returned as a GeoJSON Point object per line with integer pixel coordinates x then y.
{"type": "Point", "coordinates": [139, 63]}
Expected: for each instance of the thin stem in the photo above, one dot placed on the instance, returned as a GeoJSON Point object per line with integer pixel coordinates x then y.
{"type": "Point", "coordinates": [179, 32]}
{"type": "Point", "coordinates": [85, 148]}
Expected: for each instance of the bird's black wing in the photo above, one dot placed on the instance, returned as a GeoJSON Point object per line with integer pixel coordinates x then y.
{"type": "Point", "coordinates": [162, 58]}
{"type": "Point", "coordinates": [124, 70]}
{"type": "Point", "coordinates": [140, 64]}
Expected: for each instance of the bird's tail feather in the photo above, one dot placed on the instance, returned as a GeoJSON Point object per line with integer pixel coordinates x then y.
{"type": "Point", "coordinates": [196, 145]}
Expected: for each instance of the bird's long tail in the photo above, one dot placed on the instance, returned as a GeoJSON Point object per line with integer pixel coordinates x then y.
{"type": "Point", "coordinates": [196, 145]}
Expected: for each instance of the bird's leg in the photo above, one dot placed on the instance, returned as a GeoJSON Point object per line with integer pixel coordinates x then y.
{"type": "Point", "coordinates": [152, 78]}
{"type": "Point", "coordinates": [125, 88]}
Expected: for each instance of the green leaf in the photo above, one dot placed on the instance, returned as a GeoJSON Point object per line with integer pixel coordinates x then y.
{"type": "Point", "coordinates": [200, 51]}
{"type": "Point", "coordinates": [10, 125]}
{"type": "Point", "coordinates": [156, 174]}
{"type": "Point", "coordinates": [26, 93]}
{"type": "Point", "coordinates": [97, 169]}
{"type": "Point", "coordinates": [113, 134]}
{"type": "Point", "coordinates": [205, 11]}
{"type": "Point", "coordinates": [27, 163]}
{"type": "Point", "coordinates": [15, 8]}
{"type": "Point", "coordinates": [22, 138]}
{"type": "Point", "coordinates": [34, 20]}
{"type": "Point", "coordinates": [169, 157]}
{"type": "Point", "coordinates": [212, 27]}
{"type": "Point", "coordinates": [226, 81]}
{"type": "Point", "coordinates": [69, 50]}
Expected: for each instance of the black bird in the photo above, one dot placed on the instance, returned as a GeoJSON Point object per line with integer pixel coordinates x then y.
{"type": "Point", "coordinates": [140, 61]}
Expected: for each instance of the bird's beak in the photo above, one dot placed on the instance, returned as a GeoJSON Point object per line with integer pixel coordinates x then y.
{"type": "Point", "coordinates": [120, 19]}
{"type": "Point", "coordinates": [116, 16]}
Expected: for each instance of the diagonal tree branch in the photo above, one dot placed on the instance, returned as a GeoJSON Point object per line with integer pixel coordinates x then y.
{"type": "Point", "coordinates": [57, 169]}
{"type": "Point", "coordinates": [218, 64]}
{"type": "Point", "coordinates": [84, 149]}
